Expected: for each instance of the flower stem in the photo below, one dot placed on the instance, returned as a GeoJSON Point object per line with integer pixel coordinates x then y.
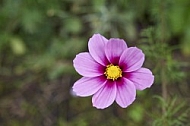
{"type": "Point", "coordinates": [164, 60]}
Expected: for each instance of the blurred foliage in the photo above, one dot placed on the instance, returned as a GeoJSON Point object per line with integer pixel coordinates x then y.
{"type": "Point", "coordinates": [40, 38]}
{"type": "Point", "coordinates": [175, 114]}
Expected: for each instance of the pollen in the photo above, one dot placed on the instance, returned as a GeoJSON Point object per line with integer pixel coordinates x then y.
{"type": "Point", "coordinates": [113, 72]}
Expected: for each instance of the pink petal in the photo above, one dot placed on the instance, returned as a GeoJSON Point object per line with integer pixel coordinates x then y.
{"type": "Point", "coordinates": [132, 59]}
{"type": "Point", "coordinates": [88, 86]}
{"type": "Point", "coordinates": [142, 78]}
{"type": "Point", "coordinates": [86, 66]}
{"type": "Point", "coordinates": [114, 48]}
{"type": "Point", "coordinates": [126, 92]}
{"type": "Point", "coordinates": [105, 96]}
{"type": "Point", "coordinates": [96, 46]}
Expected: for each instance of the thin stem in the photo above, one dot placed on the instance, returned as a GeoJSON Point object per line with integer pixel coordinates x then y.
{"type": "Point", "coordinates": [164, 60]}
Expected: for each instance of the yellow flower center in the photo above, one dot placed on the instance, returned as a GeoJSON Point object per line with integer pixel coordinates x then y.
{"type": "Point", "coordinates": [113, 72]}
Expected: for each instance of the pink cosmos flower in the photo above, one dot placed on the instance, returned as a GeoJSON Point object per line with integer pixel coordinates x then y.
{"type": "Point", "coordinates": [111, 72]}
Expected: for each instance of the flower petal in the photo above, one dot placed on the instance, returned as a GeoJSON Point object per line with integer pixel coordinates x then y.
{"type": "Point", "coordinates": [86, 66]}
{"type": "Point", "coordinates": [105, 96]}
{"type": "Point", "coordinates": [142, 78]}
{"type": "Point", "coordinates": [114, 48]}
{"type": "Point", "coordinates": [132, 59]}
{"type": "Point", "coordinates": [96, 46]}
{"type": "Point", "coordinates": [88, 86]}
{"type": "Point", "coordinates": [126, 92]}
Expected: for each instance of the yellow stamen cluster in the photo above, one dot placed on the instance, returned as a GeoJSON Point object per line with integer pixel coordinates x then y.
{"type": "Point", "coordinates": [113, 72]}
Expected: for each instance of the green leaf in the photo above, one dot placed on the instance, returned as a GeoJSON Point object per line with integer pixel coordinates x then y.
{"type": "Point", "coordinates": [18, 46]}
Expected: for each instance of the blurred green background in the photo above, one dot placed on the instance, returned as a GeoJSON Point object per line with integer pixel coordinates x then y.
{"type": "Point", "coordinates": [40, 38]}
